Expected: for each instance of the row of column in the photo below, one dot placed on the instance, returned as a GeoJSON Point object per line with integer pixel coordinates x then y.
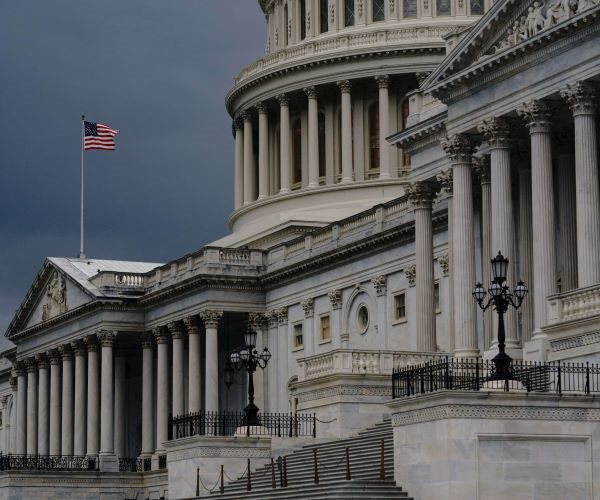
{"type": "Point", "coordinates": [247, 185]}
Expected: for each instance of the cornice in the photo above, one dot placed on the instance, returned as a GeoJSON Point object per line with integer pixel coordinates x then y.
{"type": "Point", "coordinates": [421, 134]}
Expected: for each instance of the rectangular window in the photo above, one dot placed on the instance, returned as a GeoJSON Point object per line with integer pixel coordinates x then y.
{"type": "Point", "coordinates": [324, 15]}
{"type": "Point", "coordinates": [298, 336]}
{"type": "Point", "coordinates": [443, 7]}
{"type": "Point", "coordinates": [302, 19]}
{"type": "Point", "coordinates": [325, 328]}
{"type": "Point", "coordinates": [436, 297]}
{"type": "Point", "coordinates": [400, 306]}
{"type": "Point", "coordinates": [410, 8]}
{"type": "Point", "coordinates": [477, 7]}
{"type": "Point", "coordinates": [378, 10]}
{"type": "Point", "coordinates": [349, 13]}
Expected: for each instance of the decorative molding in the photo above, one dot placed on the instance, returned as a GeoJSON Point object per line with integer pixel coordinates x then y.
{"type": "Point", "coordinates": [211, 318]}
{"type": "Point", "coordinates": [458, 148]}
{"type": "Point", "coordinates": [481, 166]}
{"type": "Point", "coordinates": [536, 115]}
{"type": "Point", "coordinates": [383, 81]}
{"type": "Point", "coordinates": [272, 318]}
{"type": "Point", "coordinates": [445, 180]}
{"type": "Point", "coordinates": [496, 131]}
{"type": "Point", "coordinates": [147, 339]}
{"type": "Point", "coordinates": [411, 274]}
{"type": "Point", "coordinates": [581, 98]}
{"type": "Point", "coordinates": [308, 306]}
{"type": "Point", "coordinates": [283, 99]}
{"type": "Point", "coordinates": [574, 341]}
{"type": "Point", "coordinates": [177, 330]}
{"type": "Point", "coordinates": [311, 92]}
{"type": "Point", "coordinates": [42, 360]}
{"type": "Point", "coordinates": [380, 285]}
{"type": "Point", "coordinates": [420, 194]}
{"type": "Point", "coordinates": [54, 356]}
{"type": "Point", "coordinates": [91, 342]}
{"type": "Point", "coordinates": [78, 347]}
{"type": "Point", "coordinates": [345, 86]}
{"type": "Point", "coordinates": [335, 298]}
{"type": "Point", "coordinates": [106, 337]}
{"type": "Point", "coordinates": [160, 335]}
{"type": "Point", "coordinates": [444, 262]}
{"type": "Point", "coordinates": [192, 324]}
{"type": "Point", "coordinates": [282, 316]}
{"type": "Point", "coordinates": [56, 297]}
{"type": "Point", "coordinates": [257, 320]}
{"type": "Point", "coordinates": [30, 365]}
{"type": "Point", "coordinates": [262, 107]}
{"type": "Point", "coordinates": [218, 451]}
{"type": "Point", "coordinates": [65, 352]}
{"type": "Point", "coordinates": [443, 412]}
{"type": "Point", "coordinates": [376, 391]}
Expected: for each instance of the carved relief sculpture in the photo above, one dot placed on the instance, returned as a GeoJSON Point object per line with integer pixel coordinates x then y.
{"type": "Point", "coordinates": [56, 297]}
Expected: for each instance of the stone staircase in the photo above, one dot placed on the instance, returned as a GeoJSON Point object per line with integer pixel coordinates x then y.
{"type": "Point", "coordinates": [365, 468]}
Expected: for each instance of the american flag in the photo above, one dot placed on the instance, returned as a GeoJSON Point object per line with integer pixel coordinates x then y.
{"type": "Point", "coordinates": [99, 136]}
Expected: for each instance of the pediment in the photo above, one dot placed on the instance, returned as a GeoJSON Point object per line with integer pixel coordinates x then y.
{"type": "Point", "coordinates": [511, 26]}
{"type": "Point", "coordinates": [52, 295]}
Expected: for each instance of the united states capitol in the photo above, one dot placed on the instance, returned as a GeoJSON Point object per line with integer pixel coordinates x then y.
{"type": "Point", "coordinates": [385, 152]}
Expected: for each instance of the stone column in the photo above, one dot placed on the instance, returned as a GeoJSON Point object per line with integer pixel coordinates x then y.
{"type": "Point", "coordinates": [68, 398]}
{"type": "Point", "coordinates": [482, 167]}
{"type": "Point", "coordinates": [421, 195]}
{"type": "Point", "coordinates": [335, 299]}
{"type": "Point", "coordinates": [21, 409]}
{"type": "Point", "coordinates": [346, 132]}
{"type": "Point", "coordinates": [385, 167]}
{"type": "Point", "coordinates": [43, 404]}
{"type": "Point", "coordinates": [271, 378]}
{"type": "Point", "coordinates": [211, 323]}
{"type": "Point", "coordinates": [525, 250]}
{"type": "Point", "coordinates": [238, 127]}
{"type": "Point", "coordinates": [581, 98]}
{"type": "Point", "coordinates": [445, 180]}
{"type": "Point", "coordinates": [537, 117]}
{"type": "Point", "coordinates": [567, 220]}
{"type": "Point", "coordinates": [263, 150]}
{"type": "Point", "coordinates": [282, 357]}
{"type": "Point", "coordinates": [177, 333]}
{"type": "Point", "coordinates": [459, 150]}
{"type": "Point", "coordinates": [313, 137]}
{"type": "Point", "coordinates": [496, 132]}
{"type": "Point", "coordinates": [147, 395]}
{"type": "Point", "coordinates": [195, 364]}
{"type": "Point", "coordinates": [55, 398]}
{"type": "Point", "coordinates": [249, 173]}
{"type": "Point", "coordinates": [80, 415]}
{"type": "Point", "coordinates": [32, 406]}
{"type": "Point", "coordinates": [120, 406]}
{"type": "Point", "coordinates": [162, 388]}
{"type": "Point", "coordinates": [93, 397]}
{"type": "Point", "coordinates": [285, 150]}
{"type": "Point", "coordinates": [107, 437]}
{"type": "Point", "coordinates": [13, 381]}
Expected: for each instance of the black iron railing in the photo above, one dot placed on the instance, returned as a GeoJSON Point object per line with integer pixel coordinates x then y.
{"type": "Point", "coordinates": [476, 374]}
{"type": "Point", "coordinates": [228, 423]}
{"type": "Point", "coordinates": [162, 461]}
{"type": "Point", "coordinates": [129, 464]}
{"type": "Point", "coordinates": [48, 462]}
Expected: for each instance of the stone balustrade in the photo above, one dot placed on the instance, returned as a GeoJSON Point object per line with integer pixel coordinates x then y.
{"type": "Point", "coordinates": [574, 305]}
{"type": "Point", "coordinates": [360, 362]}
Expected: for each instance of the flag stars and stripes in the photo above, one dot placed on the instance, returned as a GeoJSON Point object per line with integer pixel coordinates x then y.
{"type": "Point", "coordinates": [99, 136]}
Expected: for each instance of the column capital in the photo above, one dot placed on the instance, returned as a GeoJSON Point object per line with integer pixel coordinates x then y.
{"type": "Point", "coordinates": [42, 360]}
{"type": "Point", "coordinates": [91, 343]}
{"type": "Point", "coordinates": [13, 383]}
{"type": "Point", "coordinates": [458, 148]}
{"type": "Point", "coordinates": [20, 368]}
{"type": "Point", "coordinates": [380, 285]}
{"type": "Point", "coordinates": [345, 86]}
{"type": "Point", "coordinates": [411, 274]}
{"type": "Point", "coordinates": [78, 347]}
{"type": "Point", "coordinates": [211, 318]}
{"type": "Point", "coordinates": [256, 319]}
{"type": "Point", "coordinates": [65, 352]}
{"type": "Point", "coordinates": [444, 262]}
{"type": "Point", "coordinates": [311, 92]}
{"type": "Point", "coordinates": [271, 317]}
{"type": "Point", "coordinates": [536, 115]}
{"type": "Point", "coordinates": [160, 335]}
{"type": "Point", "coordinates": [238, 123]}
{"type": "Point", "coordinates": [581, 98]}
{"type": "Point", "coordinates": [107, 337]}
{"type": "Point", "coordinates": [176, 328]}
{"type": "Point", "coordinates": [262, 107]}
{"type": "Point", "coordinates": [192, 324]}
{"type": "Point", "coordinates": [30, 364]}
{"type": "Point", "coordinates": [481, 166]}
{"type": "Point", "coordinates": [496, 131]}
{"type": "Point", "coordinates": [147, 340]}
{"type": "Point", "coordinates": [335, 298]}
{"type": "Point", "coordinates": [282, 316]}
{"type": "Point", "coordinates": [283, 99]}
{"type": "Point", "coordinates": [445, 180]}
{"type": "Point", "coordinates": [308, 306]}
{"type": "Point", "coordinates": [383, 81]}
{"type": "Point", "coordinates": [53, 356]}
{"type": "Point", "coordinates": [420, 195]}
{"type": "Point", "coordinates": [246, 115]}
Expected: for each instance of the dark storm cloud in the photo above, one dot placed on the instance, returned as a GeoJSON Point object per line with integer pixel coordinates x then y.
{"type": "Point", "coordinates": [156, 70]}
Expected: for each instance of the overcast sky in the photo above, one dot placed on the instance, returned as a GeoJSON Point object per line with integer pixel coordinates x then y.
{"type": "Point", "coordinates": [156, 70]}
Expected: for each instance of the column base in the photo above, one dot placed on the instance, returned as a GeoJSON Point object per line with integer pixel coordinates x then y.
{"type": "Point", "coordinates": [537, 348]}
{"type": "Point", "coordinates": [285, 191]}
{"type": "Point", "coordinates": [346, 181]}
{"type": "Point", "coordinates": [108, 462]}
{"type": "Point", "coordinates": [515, 352]}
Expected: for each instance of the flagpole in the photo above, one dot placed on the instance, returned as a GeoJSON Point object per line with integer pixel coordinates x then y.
{"type": "Point", "coordinates": [81, 252]}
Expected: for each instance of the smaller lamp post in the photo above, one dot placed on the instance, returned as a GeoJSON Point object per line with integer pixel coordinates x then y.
{"type": "Point", "coordinates": [500, 297]}
{"type": "Point", "coordinates": [248, 358]}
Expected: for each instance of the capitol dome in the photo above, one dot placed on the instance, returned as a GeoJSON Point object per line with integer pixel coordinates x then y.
{"type": "Point", "coordinates": [311, 117]}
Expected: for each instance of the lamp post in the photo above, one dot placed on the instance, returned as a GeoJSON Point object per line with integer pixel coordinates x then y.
{"type": "Point", "coordinates": [501, 297]}
{"type": "Point", "coordinates": [248, 358]}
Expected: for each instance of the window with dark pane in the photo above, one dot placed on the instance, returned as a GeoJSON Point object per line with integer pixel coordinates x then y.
{"type": "Point", "coordinates": [324, 15]}
{"type": "Point", "coordinates": [374, 135]}
{"type": "Point", "coordinates": [297, 150]}
{"type": "Point", "coordinates": [302, 19]}
{"type": "Point", "coordinates": [321, 145]}
{"type": "Point", "coordinates": [443, 7]}
{"type": "Point", "coordinates": [410, 8]}
{"type": "Point", "coordinates": [349, 16]}
{"type": "Point", "coordinates": [477, 7]}
{"type": "Point", "coordinates": [378, 10]}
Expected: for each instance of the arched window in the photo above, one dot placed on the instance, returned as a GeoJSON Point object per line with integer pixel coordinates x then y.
{"type": "Point", "coordinates": [349, 16]}
{"type": "Point", "coordinates": [321, 145]}
{"type": "Point", "coordinates": [302, 19]}
{"type": "Point", "coordinates": [378, 10]}
{"type": "Point", "coordinates": [285, 26]}
{"type": "Point", "coordinates": [443, 7]}
{"type": "Point", "coordinates": [476, 7]}
{"type": "Point", "coordinates": [324, 15]}
{"type": "Point", "coordinates": [297, 151]}
{"type": "Point", "coordinates": [374, 136]}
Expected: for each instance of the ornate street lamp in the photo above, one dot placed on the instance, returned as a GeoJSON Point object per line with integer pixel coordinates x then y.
{"type": "Point", "coordinates": [248, 358]}
{"type": "Point", "coordinates": [500, 298]}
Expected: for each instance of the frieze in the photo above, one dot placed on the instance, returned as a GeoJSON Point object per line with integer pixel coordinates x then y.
{"type": "Point", "coordinates": [218, 451]}
{"type": "Point", "coordinates": [574, 342]}
{"type": "Point", "coordinates": [494, 411]}
{"type": "Point", "coordinates": [56, 297]}
{"type": "Point", "coordinates": [345, 390]}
